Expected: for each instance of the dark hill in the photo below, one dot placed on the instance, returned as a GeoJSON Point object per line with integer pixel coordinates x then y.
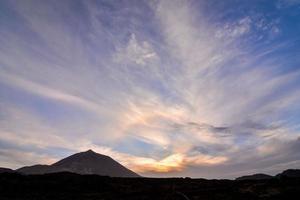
{"type": "Point", "coordinates": [87, 162]}
{"type": "Point", "coordinates": [290, 173]}
{"type": "Point", "coordinates": [254, 177]}
{"type": "Point", "coordinates": [35, 169]}
{"type": "Point", "coordinates": [6, 170]}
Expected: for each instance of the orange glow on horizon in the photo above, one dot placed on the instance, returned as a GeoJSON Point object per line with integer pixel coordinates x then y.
{"type": "Point", "coordinates": [174, 162]}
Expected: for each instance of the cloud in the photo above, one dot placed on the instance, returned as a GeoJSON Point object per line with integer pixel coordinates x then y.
{"type": "Point", "coordinates": [44, 91]}
{"type": "Point", "coordinates": [237, 29]}
{"type": "Point", "coordinates": [135, 52]}
{"type": "Point", "coordinates": [280, 4]}
{"type": "Point", "coordinates": [174, 162]}
{"type": "Point", "coordinates": [15, 158]}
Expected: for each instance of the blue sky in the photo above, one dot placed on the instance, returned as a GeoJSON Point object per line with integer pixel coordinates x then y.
{"type": "Point", "coordinates": [167, 88]}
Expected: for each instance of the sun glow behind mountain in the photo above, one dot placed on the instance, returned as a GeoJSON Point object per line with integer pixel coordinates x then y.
{"type": "Point", "coordinates": [167, 88]}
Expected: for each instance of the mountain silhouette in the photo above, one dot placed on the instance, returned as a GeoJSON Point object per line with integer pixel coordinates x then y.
{"type": "Point", "coordinates": [88, 162]}
{"type": "Point", "coordinates": [255, 177]}
{"type": "Point", "coordinates": [6, 170]}
{"type": "Point", "coordinates": [290, 173]}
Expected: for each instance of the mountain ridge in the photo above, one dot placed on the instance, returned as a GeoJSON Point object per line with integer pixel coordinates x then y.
{"type": "Point", "coordinates": [289, 173]}
{"type": "Point", "coordinates": [258, 176]}
{"type": "Point", "coordinates": [6, 170]}
{"type": "Point", "coordinates": [88, 162]}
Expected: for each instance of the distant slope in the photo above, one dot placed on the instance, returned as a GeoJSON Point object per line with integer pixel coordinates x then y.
{"type": "Point", "coordinates": [87, 162]}
{"type": "Point", "coordinates": [254, 177]}
{"type": "Point", "coordinates": [6, 170]}
{"type": "Point", "coordinates": [290, 173]}
{"type": "Point", "coordinates": [35, 169]}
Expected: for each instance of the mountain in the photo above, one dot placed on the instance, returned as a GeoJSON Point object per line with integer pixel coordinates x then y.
{"type": "Point", "coordinates": [290, 173]}
{"type": "Point", "coordinates": [5, 170]}
{"type": "Point", "coordinates": [35, 169]}
{"type": "Point", "coordinates": [255, 177]}
{"type": "Point", "coordinates": [87, 162]}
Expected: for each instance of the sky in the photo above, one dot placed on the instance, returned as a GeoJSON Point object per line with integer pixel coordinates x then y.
{"type": "Point", "coordinates": [205, 88]}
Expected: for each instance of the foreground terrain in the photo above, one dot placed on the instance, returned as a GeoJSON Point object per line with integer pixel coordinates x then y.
{"type": "Point", "coordinates": [73, 186]}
